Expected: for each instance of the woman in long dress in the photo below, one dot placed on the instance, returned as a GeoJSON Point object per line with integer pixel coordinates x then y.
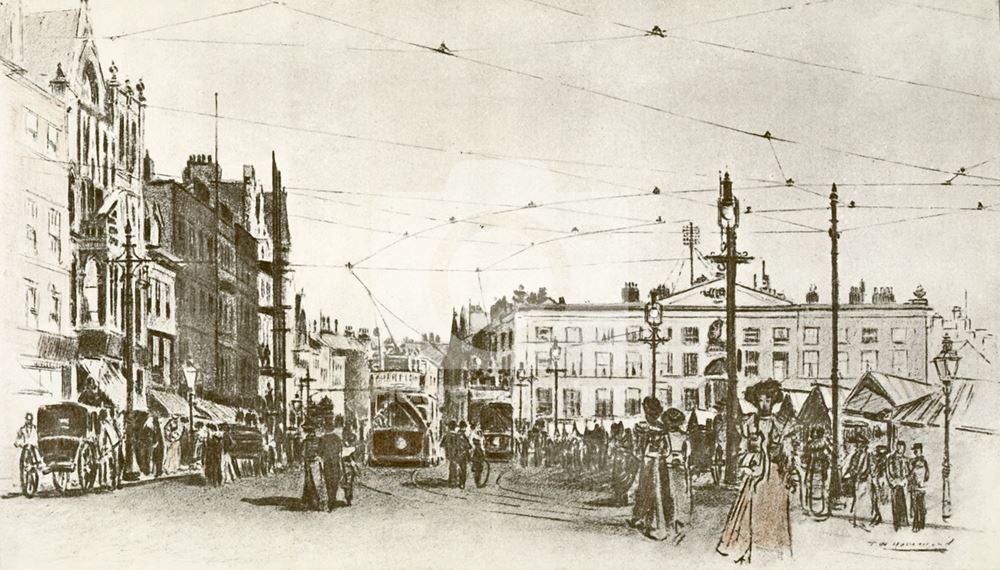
{"type": "Point", "coordinates": [678, 454]}
{"type": "Point", "coordinates": [758, 520]}
{"type": "Point", "coordinates": [651, 513]}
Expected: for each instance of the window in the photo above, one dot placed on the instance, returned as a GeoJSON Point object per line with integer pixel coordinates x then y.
{"type": "Point", "coordinates": [604, 334]}
{"type": "Point", "coordinates": [633, 403]}
{"type": "Point", "coordinates": [542, 363]}
{"type": "Point", "coordinates": [633, 364]}
{"type": "Point", "coordinates": [31, 124]}
{"type": "Point", "coordinates": [603, 364]}
{"type": "Point", "coordinates": [633, 334]}
{"type": "Point", "coordinates": [899, 361]}
{"type": "Point", "coordinates": [844, 363]}
{"type": "Point", "coordinates": [751, 364]}
{"type": "Point", "coordinates": [52, 138]}
{"type": "Point", "coordinates": [690, 398]}
{"type": "Point", "coordinates": [166, 299]}
{"type": "Point", "coordinates": [55, 233]}
{"type": "Point", "coordinates": [810, 335]}
{"type": "Point", "coordinates": [810, 363]}
{"type": "Point", "coordinates": [898, 335]}
{"type": "Point", "coordinates": [31, 305]}
{"type": "Point", "coordinates": [31, 238]}
{"type": "Point", "coordinates": [780, 335]}
{"type": "Point", "coordinates": [603, 404]}
{"type": "Point", "coordinates": [574, 363]}
{"type": "Point", "coordinates": [689, 335]}
{"type": "Point", "coordinates": [779, 366]}
{"type": "Point", "coordinates": [666, 396]}
{"type": "Point", "coordinates": [571, 403]}
{"type": "Point", "coordinates": [574, 334]}
{"type": "Point", "coordinates": [751, 336]}
{"type": "Point", "coordinates": [668, 367]}
{"type": "Point", "coordinates": [55, 316]}
{"type": "Point", "coordinates": [845, 336]}
{"type": "Point", "coordinates": [869, 335]}
{"type": "Point", "coordinates": [543, 334]}
{"type": "Point", "coordinates": [690, 364]}
{"type": "Point", "coordinates": [869, 360]}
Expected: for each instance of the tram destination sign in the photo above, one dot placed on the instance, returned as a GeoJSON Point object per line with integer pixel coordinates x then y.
{"type": "Point", "coordinates": [397, 379]}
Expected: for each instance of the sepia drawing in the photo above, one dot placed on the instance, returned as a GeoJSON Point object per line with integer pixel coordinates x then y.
{"type": "Point", "coordinates": [521, 284]}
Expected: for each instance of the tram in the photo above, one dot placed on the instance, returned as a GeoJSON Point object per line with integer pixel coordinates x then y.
{"type": "Point", "coordinates": [404, 420]}
{"type": "Point", "coordinates": [496, 420]}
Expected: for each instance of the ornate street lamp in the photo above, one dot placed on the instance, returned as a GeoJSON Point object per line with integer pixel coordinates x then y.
{"type": "Point", "coordinates": [946, 363]}
{"type": "Point", "coordinates": [191, 379]}
{"type": "Point", "coordinates": [555, 356]}
{"type": "Point", "coordinates": [654, 318]}
{"type": "Point", "coordinates": [524, 380]}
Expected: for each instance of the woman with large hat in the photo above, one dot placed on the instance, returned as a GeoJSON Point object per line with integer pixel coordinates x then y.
{"type": "Point", "coordinates": [678, 455]}
{"type": "Point", "coordinates": [759, 520]}
{"type": "Point", "coordinates": [651, 513]}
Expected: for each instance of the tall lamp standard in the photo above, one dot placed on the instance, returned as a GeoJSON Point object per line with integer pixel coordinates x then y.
{"type": "Point", "coordinates": [191, 379]}
{"type": "Point", "coordinates": [555, 357]}
{"type": "Point", "coordinates": [946, 363]}
{"type": "Point", "coordinates": [654, 318]}
{"type": "Point", "coordinates": [729, 220]}
{"type": "Point", "coordinates": [524, 380]}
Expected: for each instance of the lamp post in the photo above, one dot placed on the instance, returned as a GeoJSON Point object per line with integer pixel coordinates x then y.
{"type": "Point", "coordinates": [729, 220]}
{"type": "Point", "coordinates": [555, 356]}
{"type": "Point", "coordinates": [191, 379]}
{"type": "Point", "coordinates": [305, 382]}
{"type": "Point", "coordinates": [654, 318]}
{"type": "Point", "coordinates": [946, 363]}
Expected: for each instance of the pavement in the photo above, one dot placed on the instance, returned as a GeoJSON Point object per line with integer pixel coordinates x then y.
{"type": "Point", "coordinates": [406, 517]}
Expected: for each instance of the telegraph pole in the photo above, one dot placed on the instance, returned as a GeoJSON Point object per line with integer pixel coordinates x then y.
{"type": "Point", "coordinates": [729, 219]}
{"type": "Point", "coordinates": [278, 281]}
{"type": "Point", "coordinates": [835, 338]}
{"type": "Point", "coordinates": [691, 235]}
{"type": "Point", "coordinates": [127, 359]}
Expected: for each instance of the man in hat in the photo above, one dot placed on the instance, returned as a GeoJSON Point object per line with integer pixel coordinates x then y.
{"type": "Point", "coordinates": [314, 494]}
{"type": "Point", "coordinates": [858, 475]}
{"type": "Point", "coordinates": [448, 443]}
{"type": "Point", "coordinates": [919, 474]}
{"type": "Point", "coordinates": [899, 472]}
{"type": "Point", "coordinates": [462, 450]}
{"type": "Point", "coordinates": [331, 447]}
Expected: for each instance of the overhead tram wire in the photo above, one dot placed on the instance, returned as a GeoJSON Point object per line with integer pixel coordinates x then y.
{"type": "Point", "coordinates": [391, 312]}
{"type": "Point", "coordinates": [341, 266]}
{"type": "Point", "coordinates": [191, 21]}
{"type": "Point", "coordinates": [404, 234]}
{"type": "Point", "coordinates": [668, 112]}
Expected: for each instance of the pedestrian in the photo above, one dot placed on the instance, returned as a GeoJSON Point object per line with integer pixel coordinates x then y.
{"type": "Point", "coordinates": [212, 453]}
{"type": "Point", "coordinates": [349, 465]}
{"type": "Point", "coordinates": [462, 450]}
{"type": "Point", "coordinates": [651, 513]}
{"type": "Point", "coordinates": [759, 518]}
{"type": "Point", "coordinates": [157, 452]}
{"type": "Point", "coordinates": [858, 474]}
{"type": "Point", "coordinates": [331, 447]}
{"type": "Point", "coordinates": [919, 475]}
{"type": "Point", "coordinates": [314, 496]}
{"type": "Point", "coordinates": [818, 460]}
{"type": "Point", "coordinates": [448, 443]}
{"type": "Point", "coordinates": [879, 482]}
{"type": "Point", "coordinates": [678, 450]}
{"type": "Point", "coordinates": [226, 448]}
{"type": "Point", "coordinates": [899, 473]}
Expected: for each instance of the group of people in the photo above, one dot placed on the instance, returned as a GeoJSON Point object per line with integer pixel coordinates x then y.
{"type": "Point", "coordinates": [328, 463]}
{"type": "Point", "coordinates": [568, 448]}
{"type": "Point", "coordinates": [876, 479]}
{"type": "Point", "coordinates": [462, 444]}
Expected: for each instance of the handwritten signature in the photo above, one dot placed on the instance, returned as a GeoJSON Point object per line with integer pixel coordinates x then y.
{"type": "Point", "coordinates": [915, 546]}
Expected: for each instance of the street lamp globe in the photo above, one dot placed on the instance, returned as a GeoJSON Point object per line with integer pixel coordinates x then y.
{"type": "Point", "coordinates": [946, 362]}
{"type": "Point", "coordinates": [654, 313]}
{"type": "Point", "coordinates": [555, 352]}
{"type": "Point", "coordinates": [190, 375]}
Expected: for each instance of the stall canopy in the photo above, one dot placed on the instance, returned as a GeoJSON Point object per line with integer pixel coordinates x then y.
{"type": "Point", "coordinates": [164, 404]}
{"type": "Point", "coordinates": [973, 408]}
{"type": "Point", "coordinates": [876, 395]}
{"type": "Point", "coordinates": [109, 382]}
{"type": "Point", "coordinates": [215, 412]}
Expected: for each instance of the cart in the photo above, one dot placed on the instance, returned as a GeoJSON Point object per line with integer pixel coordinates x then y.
{"type": "Point", "coordinates": [67, 445]}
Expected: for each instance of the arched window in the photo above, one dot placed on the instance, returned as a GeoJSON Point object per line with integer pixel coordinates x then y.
{"type": "Point", "coordinates": [90, 78]}
{"type": "Point", "coordinates": [91, 287]}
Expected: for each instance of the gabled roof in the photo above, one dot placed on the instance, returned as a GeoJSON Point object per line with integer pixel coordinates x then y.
{"type": "Point", "coordinates": [705, 295]}
{"type": "Point", "coordinates": [878, 393]}
{"type": "Point", "coordinates": [973, 408]}
{"type": "Point", "coordinates": [50, 38]}
{"type": "Point", "coordinates": [341, 342]}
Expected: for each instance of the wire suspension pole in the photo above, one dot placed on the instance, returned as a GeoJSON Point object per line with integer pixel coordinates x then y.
{"type": "Point", "coordinates": [835, 339]}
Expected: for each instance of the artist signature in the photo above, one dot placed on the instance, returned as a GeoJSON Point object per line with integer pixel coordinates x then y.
{"type": "Point", "coordinates": [915, 546]}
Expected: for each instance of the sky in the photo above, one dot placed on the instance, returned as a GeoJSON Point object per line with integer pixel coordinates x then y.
{"type": "Point", "coordinates": [571, 107]}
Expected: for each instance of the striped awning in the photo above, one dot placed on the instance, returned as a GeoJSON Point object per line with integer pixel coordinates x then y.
{"type": "Point", "coordinates": [215, 412]}
{"type": "Point", "coordinates": [163, 403]}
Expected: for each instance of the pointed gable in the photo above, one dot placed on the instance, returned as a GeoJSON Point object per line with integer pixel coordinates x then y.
{"type": "Point", "coordinates": [713, 294]}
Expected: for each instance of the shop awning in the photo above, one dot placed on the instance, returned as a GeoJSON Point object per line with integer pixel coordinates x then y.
{"type": "Point", "coordinates": [163, 403]}
{"type": "Point", "coordinates": [110, 382]}
{"type": "Point", "coordinates": [215, 412]}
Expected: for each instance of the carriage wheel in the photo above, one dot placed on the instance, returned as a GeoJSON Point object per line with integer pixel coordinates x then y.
{"type": "Point", "coordinates": [86, 467]}
{"type": "Point", "coordinates": [29, 474]}
{"type": "Point", "coordinates": [483, 476]}
{"type": "Point", "coordinates": [60, 479]}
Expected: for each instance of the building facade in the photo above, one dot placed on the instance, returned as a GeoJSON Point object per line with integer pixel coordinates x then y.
{"type": "Point", "coordinates": [606, 367]}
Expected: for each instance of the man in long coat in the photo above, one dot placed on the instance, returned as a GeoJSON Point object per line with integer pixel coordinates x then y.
{"type": "Point", "coordinates": [331, 446]}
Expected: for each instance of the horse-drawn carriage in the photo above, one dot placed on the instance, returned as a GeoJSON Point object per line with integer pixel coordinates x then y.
{"type": "Point", "coordinates": [70, 440]}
